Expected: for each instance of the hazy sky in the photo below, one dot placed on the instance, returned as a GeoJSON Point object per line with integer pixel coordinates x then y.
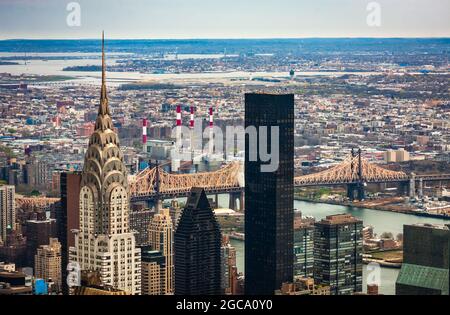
{"type": "Point", "coordinates": [223, 18]}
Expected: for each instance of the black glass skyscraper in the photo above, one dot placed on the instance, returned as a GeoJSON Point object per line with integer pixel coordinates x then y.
{"type": "Point", "coordinates": [197, 244]}
{"type": "Point", "coordinates": [269, 195]}
{"type": "Point", "coordinates": [338, 253]}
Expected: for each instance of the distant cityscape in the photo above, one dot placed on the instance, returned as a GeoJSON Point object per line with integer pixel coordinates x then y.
{"type": "Point", "coordinates": [94, 202]}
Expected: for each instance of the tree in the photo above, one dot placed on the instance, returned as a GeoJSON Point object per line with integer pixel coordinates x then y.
{"type": "Point", "coordinates": [399, 237]}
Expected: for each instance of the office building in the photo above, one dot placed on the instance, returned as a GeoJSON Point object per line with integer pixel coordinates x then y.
{"type": "Point", "coordinates": [303, 249]}
{"type": "Point", "coordinates": [140, 220]}
{"type": "Point", "coordinates": [229, 269]}
{"type": "Point", "coordinates": [47, 264]}
{"type": "Point", "coordinates": [161, 239]}
{"type": "Point", "coordinates": [153, 272]}
{"type": "Point", "coordinates": [197, 248]}
{"type": "Point", "coordinates": [104, 241]}
{"type": "Point", "coordinates": [338, 253]}
{"type": "Point", "coordinates": [68, 218]}
{"type": "Point", "coordinates": [7, 210]}
{"type": "Point", "coordinates": [38, 232]}
{"type": "Point", "coordinates": [269, 195]}
{"type": "Point", "coordinates": [425, 268]}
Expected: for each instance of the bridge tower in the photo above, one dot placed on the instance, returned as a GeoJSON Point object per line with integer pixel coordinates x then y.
{"type": "Point", "coordinates": [356, 190]}
{"type": "Point", "coordinates": [236, 197]}
{"type": "Point", "coordinates": [420, 188]}
{"type": "Point", "coordinates": [412, 186]}
{"type": "Point", "coordinates": [361, 190]}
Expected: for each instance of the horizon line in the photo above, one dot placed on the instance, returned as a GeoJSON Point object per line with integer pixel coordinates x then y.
{"type": "Point", "coordinates": [232, 38]}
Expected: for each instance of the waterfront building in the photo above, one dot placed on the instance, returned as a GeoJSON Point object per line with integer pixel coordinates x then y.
{"type": "Point", "coordinates": [197, 248]}
{"type": "Point", "coordinates": [161, 239]}
{"type": "Point", "coordinates": [303, 249]}
{"type": "Point", "coordinates": [338, 253]}
{"type": "Point", "coordinates": [47, 263]}
{"type": "Point", "coordinates": [303, 286]}
{"type": "Point", "coordinates": [7, 210]}
{"type": "Point", "coordinates": [269, 196]}
{"type": "Point", "coordinates": [425, 268]}
{"type": "Point", "coordinates": [104, 241]}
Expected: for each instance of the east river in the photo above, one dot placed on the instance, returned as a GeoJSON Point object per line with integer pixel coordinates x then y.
{"type": "Point", "coordinates": [382, 221]}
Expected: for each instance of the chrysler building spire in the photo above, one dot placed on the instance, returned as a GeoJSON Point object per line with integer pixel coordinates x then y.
{"type": "Point", "coordinates": [104, 108]}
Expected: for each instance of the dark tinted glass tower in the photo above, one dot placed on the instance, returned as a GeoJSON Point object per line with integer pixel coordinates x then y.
{"type": "Point", "coordinates": [425, 268]}
{"type": "Point", "coordinates": [197, 248]}
{"type": "Point", "coordinates": [338, 253]}
{"type": "Point", "coordinates": [68, 218]}
{"type": "Point", "coordinates": [269, 197]}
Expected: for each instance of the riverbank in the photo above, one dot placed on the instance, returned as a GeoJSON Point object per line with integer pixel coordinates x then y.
{"type": "Point", "coordinates": [380, 206]}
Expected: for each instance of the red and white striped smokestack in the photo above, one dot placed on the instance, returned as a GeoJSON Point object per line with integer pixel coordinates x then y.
{"type": "Point", "coordinates": [178, 115]}
{"type": "Point", "coordinates": [191, 122]}
{"type": "Point", "coordinates": [144, 131]}
{"type": "Point", "coordinates": [211, 118]}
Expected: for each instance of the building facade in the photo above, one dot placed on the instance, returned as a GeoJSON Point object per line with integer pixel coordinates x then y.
{"type": "Point", "coordinates": [229, 268]}
{"type": "Point", "coordinates": [68, 218]}
{"type": "Point", "coordinates": [161, 239]}
{"type": "Point", "coordinates": [38, 233]}
{"type": "Point", "coordinates": [47, 263]}
{"type": "Point", "coordinates": [269, 195]}
{"type": "Point", "coordinates": [425, 268]}
{"type": "Point", "coordinates": [303, 249]}
{"type": "Point", "coordinates": [7, 210]}
{"type": "Point", "coordinates": [197, 248]}
{"type": "Point", "coordinates": [140, 220]}
{"type": "Point", "coordinates": [338, 254]}
{"type": "Point", "coordinates": [153, 272]}
{"type": "Point", "coordinates": [104, 241]}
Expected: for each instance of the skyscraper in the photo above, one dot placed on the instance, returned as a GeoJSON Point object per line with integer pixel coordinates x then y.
{"type": "Point", "coordinates": [161, 239]}
{"type": "Point", "coordinates": [47, 263]}
{"type": "Point", "coordinates": [303, 248]}
{"type": "Point", "coordinates": [197, 248]}
{"type": "Point", "coordinates": [425, 268]}
{"type": "Point", "coordinates": [269, 196]}
{"type": "Point", "coordinates": [7, 210]}
{"type": "Point", "coordinates": [38, 232]}
{"type": "Point", "coordinates": [229, 269]}
{"type": "Point", "coordinates": [338, 253]}
{"type": "Point", "coordinates": [140, 220]}
{"type": "Point", "coordinates": [104, 241]}
{"type": "Point", "coordinates": [68, 218]}
{"type": "Point", "coordinates": [153, 272]}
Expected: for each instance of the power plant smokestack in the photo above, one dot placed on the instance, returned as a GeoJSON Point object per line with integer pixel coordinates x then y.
{"type": "Point", "coordinates": [211, 118]}
{"type": "Point", "coordinates": [191, 122]}
{"type": "Point", "coordinates": [178, 115]}
{"type": "Point", "coordinates": [144, 131]}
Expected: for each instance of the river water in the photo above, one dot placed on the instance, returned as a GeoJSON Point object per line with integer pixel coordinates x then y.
{"type": "Point", "coordinates": [381, 221]}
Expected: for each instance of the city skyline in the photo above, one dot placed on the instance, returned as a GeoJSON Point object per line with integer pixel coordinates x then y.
{"type": "Point", "coordinates": [213, 19]}
{"type": "Point", "coordinates": [113, 177]}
